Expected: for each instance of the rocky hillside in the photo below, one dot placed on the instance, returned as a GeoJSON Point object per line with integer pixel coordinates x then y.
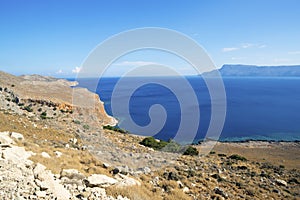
{"type": "Point", "coordinates": [55, 147]}
{"type": "Point", "coordinates": [256, 71]}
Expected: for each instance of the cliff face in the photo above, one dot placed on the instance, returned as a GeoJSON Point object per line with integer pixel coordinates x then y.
{"type": "Point", "coordinates": [56, 93]}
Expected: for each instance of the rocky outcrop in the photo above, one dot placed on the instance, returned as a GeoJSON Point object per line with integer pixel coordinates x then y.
{"type": "Point", "coordinates": [20, 178]}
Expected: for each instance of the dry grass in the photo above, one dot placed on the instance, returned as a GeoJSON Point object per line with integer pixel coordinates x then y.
{"type": "Point", "coordinates": [134, 192]}
{"type": "Point", "coordinates": [39, 139]}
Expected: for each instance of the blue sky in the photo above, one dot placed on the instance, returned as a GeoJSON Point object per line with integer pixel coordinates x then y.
{"type": "Point", "coordinates": [53, 37]}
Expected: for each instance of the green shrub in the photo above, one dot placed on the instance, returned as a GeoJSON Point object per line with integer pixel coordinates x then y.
{"type": "Point", "coordinates": [171, 146]}
{"type": "Point", "coordinates": [40, 110]}
{"type": "Point", "coordinates": [151, 142]}
{"type": "Point", "coordinates": [43, 115]}
{"type": "Point", "coordinates": [114, 128]}
{"type": "Point", "coordinates": [28, 108]}
{"type": "Point", "coordinates": [76, 121]}
{"type": "Point", "coordinates": [86, 126]}
{"type": "Point", "coordinates": [192, 151]}
{"type": "Point", "coordinates": [237, 157]}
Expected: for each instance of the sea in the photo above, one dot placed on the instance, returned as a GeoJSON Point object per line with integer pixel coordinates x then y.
{"type": "Point", "coordinates": [257, 108]}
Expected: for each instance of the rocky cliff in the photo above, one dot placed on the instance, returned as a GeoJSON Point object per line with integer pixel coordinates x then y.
{"type": "Point", "coordinates": [31, 92]}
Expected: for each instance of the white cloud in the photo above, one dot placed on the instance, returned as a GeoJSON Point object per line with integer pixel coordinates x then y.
{"type": "Point", "coordinates": [228, 49]}
{"type": "Point", "coordinates": [244, 46]}
{"type": "Point", "coordinates": [262, 46]}
{"type": "Point", "coordinates": [60, 71]}
{"type": "Point", "coordinates": [76, 70]}
{"type": "Point", "coordinates": [247, 45]}
{"type": "Point", "coordinates": [294, 52]}
{"type": "Point", "coordinates": [135, 63]}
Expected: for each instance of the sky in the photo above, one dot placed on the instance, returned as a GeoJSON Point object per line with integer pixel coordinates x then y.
{"type": "Point", "coordinates": [54, 37]}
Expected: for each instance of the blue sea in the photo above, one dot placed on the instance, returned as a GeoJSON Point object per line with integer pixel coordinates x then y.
{"type": "Point", "coordinates": [260, 108]}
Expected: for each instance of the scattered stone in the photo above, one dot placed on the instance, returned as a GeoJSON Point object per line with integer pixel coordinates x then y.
{"type": "Point", "coordinates": [115, 171]}
{"type": "Point", "coordinates": [58, 154]}
{"type": "Point", "coordinates": [16, 136]}
{"type": "Point", "coordinates": [172, 176]}
{"type": "Point", "coordinates": [220, 192]}
{"type": "Point", "coordinates": [146, 170]}
{"type": "Point", "coordinates": [41, 194]}
{"type": "Point", "coordinates": [281, 182]}
{"type": "Point", "coordinates": [123, 170]}
{"type": "Point", "coordinates": [276, 191]}
{"type": "Point", "coordinates": [45, 155]}
{"type": "Point", "coordinates": [106, 165]}
{"type": "Point", "coordinates": [74, 141]}
{"type": "Point", "coordinates": [185, 189]}
{"type": "Point", "coordinates": [180, 184]}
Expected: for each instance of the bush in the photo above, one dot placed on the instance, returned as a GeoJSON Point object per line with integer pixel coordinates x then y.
{"type": "Point", "coordinates": [28, 108]}
{"type": "Point", "coordinates": [86, 126]}
{"type": "Point", "coordinates": [43, 115]}
{"type": "Point", "coordinates": [151, 142]}
{"type": "Point", "coordinates": [40, 110]}
{"type": "Point", "coordinates": [237, 157]}
{"type": "Point", "coordinates": [114, 128]}
{"type": "Point", "coordinates": [192, 151]}
{"type": "Point", "coordinates": [76, 121]}
{"type": "Point", "coordinates": [172, 146]}
{"type": "Point", "coordinates": [16, 100]}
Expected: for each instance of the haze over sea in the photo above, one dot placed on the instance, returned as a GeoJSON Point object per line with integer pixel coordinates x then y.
{"type": "Point", "coordinates": [258, 108]}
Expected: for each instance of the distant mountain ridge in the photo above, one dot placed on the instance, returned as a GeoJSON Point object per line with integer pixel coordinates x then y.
{"type": "Point", "coordinates": [258, 71]}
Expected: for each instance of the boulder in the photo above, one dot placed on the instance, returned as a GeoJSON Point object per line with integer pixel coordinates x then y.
{"type": "Point", "coordinates": [125, 181]}
{"type": "Point", "coordinates": [99, 180]}
{"type": "Point", "coordinates": [16, 154]}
